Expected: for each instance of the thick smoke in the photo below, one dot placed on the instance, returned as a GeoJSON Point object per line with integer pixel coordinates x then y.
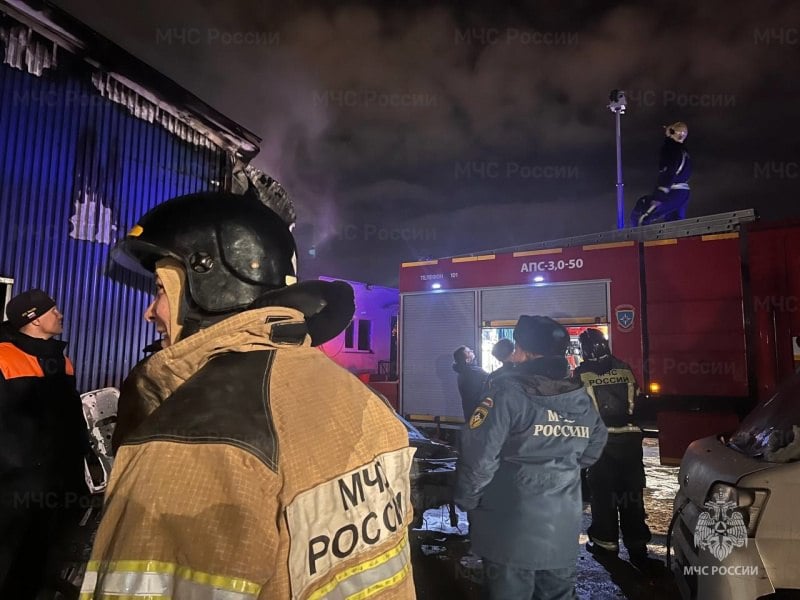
{"type": "Point", "coordinates": [437, 129]}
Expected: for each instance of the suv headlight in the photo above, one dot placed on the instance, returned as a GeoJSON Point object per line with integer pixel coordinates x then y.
{"type": "Point", "coordinates": [749, 502]}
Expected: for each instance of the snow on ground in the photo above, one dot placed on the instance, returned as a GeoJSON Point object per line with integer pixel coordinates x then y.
{"type": "Point", "coordinates": [662, 481]}
{"type": "Point", "coordinates": [438, 520]}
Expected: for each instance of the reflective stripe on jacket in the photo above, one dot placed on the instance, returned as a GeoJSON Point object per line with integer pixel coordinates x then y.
{"type": "Point", "coordinates": [43, 435]}
{"type": "Point", "coordinates": [674, 167]}
{"type": "Point", "coordinates": [612, 387]}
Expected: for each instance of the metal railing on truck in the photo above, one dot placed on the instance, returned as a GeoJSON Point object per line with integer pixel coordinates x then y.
{"type": "Point", "coordinates": [709, 224]}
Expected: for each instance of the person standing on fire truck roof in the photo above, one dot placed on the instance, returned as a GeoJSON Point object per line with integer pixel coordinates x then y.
{"type": "Point", "coordinates": [671, 196]}
{"type": "Point", "coordinates": [519, 469]}
{"type": "Point", "coordinates": [616, 480]}
{"type": "Point", "coordinates": [265, 471]}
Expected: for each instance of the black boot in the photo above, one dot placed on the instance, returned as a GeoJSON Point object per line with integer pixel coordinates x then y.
{"type": "Point", "coordinates": [644, 563]}
{"type": "Point", "coordinates": [599, 551]}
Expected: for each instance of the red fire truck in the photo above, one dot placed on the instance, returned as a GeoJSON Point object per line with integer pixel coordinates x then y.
{"type": "Point", "coordinates": [705, 310]}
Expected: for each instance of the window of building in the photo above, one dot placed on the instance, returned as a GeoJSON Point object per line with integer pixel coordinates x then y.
{"type": "Point", "coordinates": [358, 335]}
{"type": "Point", "coordinates": [364, 335]}
{"type": "Point", "coordinates": [348, 335]}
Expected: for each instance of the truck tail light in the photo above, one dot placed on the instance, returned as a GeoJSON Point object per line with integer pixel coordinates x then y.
{"type": "Point", "coordinates": [655, 387]}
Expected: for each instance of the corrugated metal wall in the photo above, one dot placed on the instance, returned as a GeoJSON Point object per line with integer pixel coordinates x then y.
{"type": "Point", "coordinates": [76, 171]}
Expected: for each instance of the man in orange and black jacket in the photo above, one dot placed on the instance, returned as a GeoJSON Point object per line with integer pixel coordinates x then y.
{"type": "Point", "coordinates": [43, 439]}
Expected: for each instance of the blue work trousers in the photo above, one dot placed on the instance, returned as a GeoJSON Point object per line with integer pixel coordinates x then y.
{"type": "Point", "coordinates": [502, 582]}
{"type": "Point", "coordinates": [672, 208]}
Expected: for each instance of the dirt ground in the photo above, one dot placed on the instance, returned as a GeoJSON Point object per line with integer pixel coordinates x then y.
{"type": "Point", "coordinates": [444, 569]}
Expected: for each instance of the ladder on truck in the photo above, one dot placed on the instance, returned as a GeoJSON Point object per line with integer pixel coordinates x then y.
{"type": "Point", "coordinates": [709, 224]}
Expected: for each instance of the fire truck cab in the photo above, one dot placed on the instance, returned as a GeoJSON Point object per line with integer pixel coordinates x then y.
{"type": "Point", "coordinates": [705, 310]}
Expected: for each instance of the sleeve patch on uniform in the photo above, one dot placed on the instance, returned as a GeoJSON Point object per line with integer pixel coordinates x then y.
{"type": "Point", "coordinates": [363, 508]}
{"type": "Point", "coordinates": [478, 417]}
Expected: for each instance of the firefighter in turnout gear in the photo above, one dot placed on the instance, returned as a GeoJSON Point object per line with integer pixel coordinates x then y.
{"type": "Point", "coordinates": [260, 468]}
{"type": "Point", "coordinates": [519, 469]}
{"type": "Point", "coordinates": [616, 480]}
{"type": "Point", "coordinates": [670, 199]}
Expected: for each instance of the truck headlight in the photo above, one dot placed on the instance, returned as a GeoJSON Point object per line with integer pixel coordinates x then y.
{"type": "Point", "coordinates": [749, 502]}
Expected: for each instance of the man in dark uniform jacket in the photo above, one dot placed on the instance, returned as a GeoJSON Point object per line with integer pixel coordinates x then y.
{"type": "Point", "coordinates": [503, 351]}
{"type": "Point", "coordinates": [616, 480]}
{"type": "Point", "coordinates": [519, 469]}
{"type": "Point", "coordinates": [471, 379]}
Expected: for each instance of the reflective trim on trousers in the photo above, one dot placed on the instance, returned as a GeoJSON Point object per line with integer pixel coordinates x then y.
{"type": "Point", "coordinates": [155, 580]}
{"type": "Point", "coordinates": [610, 546]}
{"type": "Point", "coordinates": [370, 577]}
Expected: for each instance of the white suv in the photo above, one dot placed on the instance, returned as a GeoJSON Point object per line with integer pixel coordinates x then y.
{"type": "Point", "coordinates": [736, 518]}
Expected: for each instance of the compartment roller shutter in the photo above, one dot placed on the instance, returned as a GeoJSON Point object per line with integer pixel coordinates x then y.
{"type": "Point", "coordinates": [433, 326]}
{"type": "Point", "coordinates": [585, 301]}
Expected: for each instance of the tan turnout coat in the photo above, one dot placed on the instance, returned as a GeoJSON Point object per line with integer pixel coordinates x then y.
{"type": "Point", "coordinates": [264, 471]}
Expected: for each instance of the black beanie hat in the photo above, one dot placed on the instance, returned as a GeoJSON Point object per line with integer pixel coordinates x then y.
{"type": "Point", "coordinates": [541, 335]}
{"type": "Point", "coordinates": [28, 306]}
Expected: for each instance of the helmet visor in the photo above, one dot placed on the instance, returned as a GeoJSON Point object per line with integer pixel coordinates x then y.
{"type": "Point", "coordinates": [139, 256]}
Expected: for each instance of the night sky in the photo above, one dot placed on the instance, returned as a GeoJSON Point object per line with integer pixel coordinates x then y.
{"type": "Point", "coordinates": [426, 129]}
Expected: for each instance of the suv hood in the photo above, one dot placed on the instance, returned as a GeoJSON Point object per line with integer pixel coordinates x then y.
{"type": "Point", "coordinates": [708, 461]}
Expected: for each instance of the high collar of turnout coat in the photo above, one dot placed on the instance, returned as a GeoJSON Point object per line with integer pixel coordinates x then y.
{"type": "Point", "coordinates": [259, 329]}
{"type": "Point", "coordinates": [155, 378]}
